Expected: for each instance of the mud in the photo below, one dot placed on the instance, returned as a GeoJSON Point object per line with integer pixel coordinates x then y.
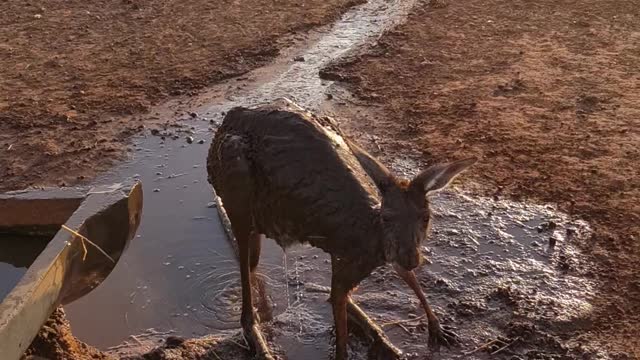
{"type": "Point", "coordinates": [492, 275]}
{"type": "Point", "coordinates": [55, 342]}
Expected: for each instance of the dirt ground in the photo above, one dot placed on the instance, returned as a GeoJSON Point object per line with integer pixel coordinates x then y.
{"type": "Point", "coordinates": [71, 72]}
{"type": "Point", "coordinates": [55, 342]}
{"type": "Point", "coordinates": [547, 93]}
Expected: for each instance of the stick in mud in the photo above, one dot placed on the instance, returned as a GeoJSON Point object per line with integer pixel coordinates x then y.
{"type": "Point", "coordinates": [226, 224]}
{"type": "Point", "coordinates": [506, 346]}
{"type": "Point", "coordinates": [403, 321]}
{"type": "Point", "coordinates": [486, 345]}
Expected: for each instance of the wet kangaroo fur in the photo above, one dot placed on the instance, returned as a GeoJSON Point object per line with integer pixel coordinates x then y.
{"type": "Point", "coordinates": [283, 172]}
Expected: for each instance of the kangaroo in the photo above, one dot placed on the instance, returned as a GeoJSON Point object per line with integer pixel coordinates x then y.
{"type": "Point", "coordinates": [283, 172]}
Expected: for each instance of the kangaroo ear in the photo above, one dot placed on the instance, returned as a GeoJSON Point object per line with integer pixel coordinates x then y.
{"type": "Point", "coordinates": [439, 176]}
{"type": "Point", "coordinates": [380, 175]}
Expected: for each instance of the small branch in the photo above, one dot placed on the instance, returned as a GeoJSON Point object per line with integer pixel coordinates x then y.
{"type": "Point", "coordinates": [84, 247]}
{"type": "Point", "coordinates": [215, 355]}
{"type": "Point", "coordinates": [246, 347]}
{"type": "Point", "coordinates": [483, 346]}
{"type": "Point", "coordinates": [136, 339]}
{"type": "Point", "coordinates": [404, 321]}
{"type": "Point", "coordinates": [506, 346]}
{"type": "Point", "coordinates": [404, 328]}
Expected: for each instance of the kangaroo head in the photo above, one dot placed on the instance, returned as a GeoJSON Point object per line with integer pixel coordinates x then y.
{"type": "Point", "coordinates": [405, 214]}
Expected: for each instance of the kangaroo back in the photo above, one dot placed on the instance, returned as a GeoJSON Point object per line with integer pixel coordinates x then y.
{"type": "Point", "coordinates": [299, 180]}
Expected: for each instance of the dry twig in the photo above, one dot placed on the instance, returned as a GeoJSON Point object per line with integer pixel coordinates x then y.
{"type": "Point", "coordinates": [404, 321]}
{"type": "Point", "coordinates": [506, 346]}
{"type": "Point", "coordinates": [84, 247]}
{"type": "Point", "coordinates": [483, 346]}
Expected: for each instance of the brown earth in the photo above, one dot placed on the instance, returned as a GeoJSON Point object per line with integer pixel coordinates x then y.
{"type": "Point", "coordinates": [547, 93]}
{"type": "Point", "coordinates": [55, 342]}
{"type": "Point", "coordinates": [71, 71]}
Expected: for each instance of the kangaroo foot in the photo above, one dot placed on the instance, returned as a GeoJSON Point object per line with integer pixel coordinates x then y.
{"type": "Point", "coordinates": [438, 335]}
{"type": "Point", "coordinates": [257, 343]}
{"type": "Point", "coordinates": [441, 335]}
{"type": "Point", "coordinates": [382, 348]}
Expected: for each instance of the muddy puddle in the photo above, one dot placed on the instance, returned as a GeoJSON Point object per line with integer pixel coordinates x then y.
{"type": "Point", "coordinates": [18, 253]}
{"type": "Point", "coordinates": [496, 270]}
{"type": "Point", "coordinates": [493, 262]}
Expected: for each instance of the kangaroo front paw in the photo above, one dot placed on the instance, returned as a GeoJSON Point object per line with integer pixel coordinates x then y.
{"type": "Point", "coordinates": [441, 335]}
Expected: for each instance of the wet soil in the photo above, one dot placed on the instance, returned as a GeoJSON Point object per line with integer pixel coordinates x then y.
{"type": "Point", "coordinates": [498, 271]}
{"type": "Point", "coordinates": [547, 95]}
{"type": "Point", "coordinates": [55, 342]}
{"type": "Point", "coordinates": [72, 72]}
